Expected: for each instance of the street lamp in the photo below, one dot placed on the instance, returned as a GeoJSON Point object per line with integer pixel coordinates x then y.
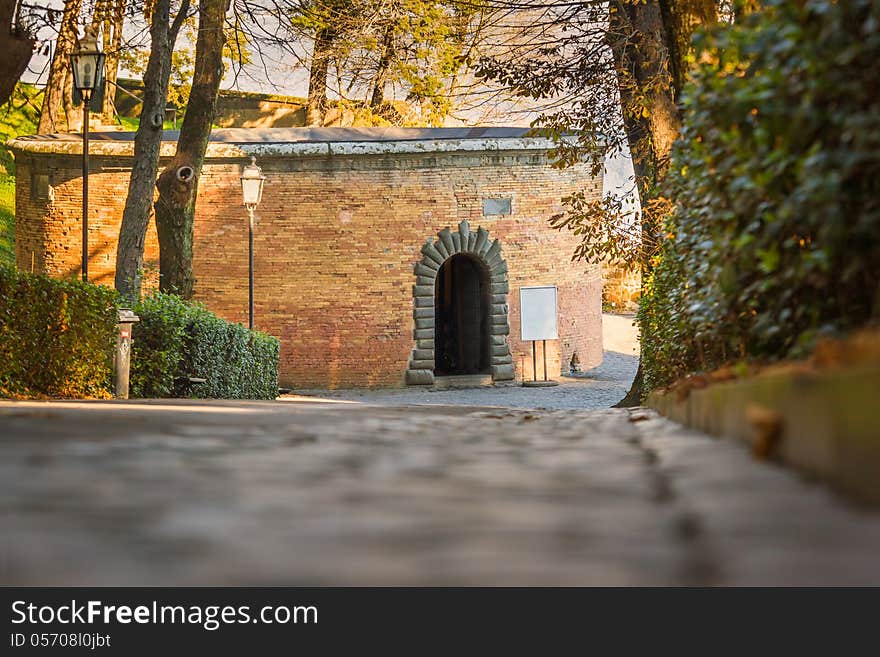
{"type": "Point", "coordinates": [252, 180]}
{"type": "Point", "coordinates": [87, 62]}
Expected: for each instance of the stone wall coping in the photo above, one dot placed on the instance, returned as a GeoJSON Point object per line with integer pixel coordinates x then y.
{"type": "Point", "coordinates": [824, 422]}
{"type": "Point", "coordinates": [241, 143]}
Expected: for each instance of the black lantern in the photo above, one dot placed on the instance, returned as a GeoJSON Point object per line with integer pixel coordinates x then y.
{"type": "Point", "coordinates": [87, 62]}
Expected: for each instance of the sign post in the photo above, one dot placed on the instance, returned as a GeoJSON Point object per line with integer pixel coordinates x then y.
{"type": "Point", "coordinates": [538, 321]}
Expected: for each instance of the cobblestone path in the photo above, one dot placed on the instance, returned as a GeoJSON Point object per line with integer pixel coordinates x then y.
{"type": "Point", "coordinates": [601, 387]}
{"type": "Point", "coordinates": [596, 388]}
{"type": "Point", "coordinates": [334, 493]}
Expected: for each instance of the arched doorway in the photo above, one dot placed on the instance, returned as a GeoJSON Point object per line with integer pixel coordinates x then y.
{"type": "Point", "coordinates": [475, 262]}
{"type": "Point", "coordinates": [461, 317]}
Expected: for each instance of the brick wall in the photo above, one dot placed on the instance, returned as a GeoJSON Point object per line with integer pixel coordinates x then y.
{"type": "Point", "coordinates": [48, 231]}
{"type": "Point", "coordinates": [621, 288]}
{"type": "Point", "coordinates": [336, 240]}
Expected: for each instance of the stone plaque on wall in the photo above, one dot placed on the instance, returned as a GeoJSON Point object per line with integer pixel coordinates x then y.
{"type": "Point", "coordinates": [496, 206]}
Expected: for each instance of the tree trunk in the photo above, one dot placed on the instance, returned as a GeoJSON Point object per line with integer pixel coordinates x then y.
{"type": "Point", "coordinates": [682, 18]}
{"type": "Point", "coordinates": [147, 140]}
{"type": "Point", "coordinates": [17, 46]}
{"type": "Point", "coordinates": [321, 55]}
{"type": "Point", "coordinates": [113, 24]}
{"type": "Point", "coordinates": [650, 46]}
{"type": "Point", "coordinates": [381, 78]}
{"type": "Point", "coordinates": [179, 182]}
{"type": "Point", "coordinates": [56, 95]}
{"type": "Point", "coordinates": [100, 10]}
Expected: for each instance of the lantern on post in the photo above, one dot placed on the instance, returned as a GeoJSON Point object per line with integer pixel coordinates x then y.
{"type": "Point", "coordinates": [87, 63]}
{"type": "Point", "coordinates": [252, 180]}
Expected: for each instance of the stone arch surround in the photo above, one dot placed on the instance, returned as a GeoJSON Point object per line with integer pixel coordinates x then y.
{"type": "Point", "coordinates": [420, 369]}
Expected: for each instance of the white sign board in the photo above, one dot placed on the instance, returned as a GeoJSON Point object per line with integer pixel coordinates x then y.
{"type": "Point", "coordinates": [537, 308]}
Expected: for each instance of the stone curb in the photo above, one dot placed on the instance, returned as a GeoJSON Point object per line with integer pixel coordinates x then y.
{"type": "Point", "coordinates": [824, 423]}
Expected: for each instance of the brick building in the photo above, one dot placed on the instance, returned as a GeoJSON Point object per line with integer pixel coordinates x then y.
{"type": "Point", "coordinates": [383, 257]}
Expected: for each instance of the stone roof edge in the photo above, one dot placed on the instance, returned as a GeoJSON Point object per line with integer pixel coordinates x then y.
{"type": "Point", "coordinates": [227, 150]}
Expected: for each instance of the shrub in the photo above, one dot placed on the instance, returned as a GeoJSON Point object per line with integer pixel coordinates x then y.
{"type": "Point", "coordinates": [157, 345]}
{"type": "Point", "coordinates": [57, 337]}
{"type": "Point", "coordinates": [775, 239]}
{"type": "Point", "coordinates": [176, 340]}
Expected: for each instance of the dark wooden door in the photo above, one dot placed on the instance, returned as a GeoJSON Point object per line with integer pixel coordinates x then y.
{"type": "Point", "coordinates": [461, 341]}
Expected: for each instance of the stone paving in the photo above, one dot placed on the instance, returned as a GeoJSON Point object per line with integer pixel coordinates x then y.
{"type": "Point", "coordinates": [321, 493]}
{"type": "Point", "coordinates": [600, 387]}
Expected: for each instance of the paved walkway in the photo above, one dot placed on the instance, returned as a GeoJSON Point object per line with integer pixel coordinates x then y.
{"type": "Point", "coordinates": [601, 387]}
{"type": "Point", "coordinates": [597, 388]}
{"type": "Point", "coordinates": [302, 492]}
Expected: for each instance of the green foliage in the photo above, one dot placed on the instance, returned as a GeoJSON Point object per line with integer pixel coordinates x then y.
{"type": "Point", "coordinates": [431, 43]}
{"type": "Point", "coordinates": [7, 220]}
{"type": "Point", "coordinates": [157, 345]}
{"type": "Point", "coordinates": [131, 124]}
{"type": "Point", "coordinates": [18, 117]}
{"type": "Point", "coordinates": [183, 59]}
{"type": "Point", "coordinates": [775, 239]}
{"type": "Point", "coordinates": [420, 49]}
{"type": "Point", "coordinates": [176, 340]}
{"type": "Point", "coordinates": [56, 337]}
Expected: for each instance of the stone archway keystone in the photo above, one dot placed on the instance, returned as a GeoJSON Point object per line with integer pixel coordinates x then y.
{"type": "Point", "coordinates": [420, 370]}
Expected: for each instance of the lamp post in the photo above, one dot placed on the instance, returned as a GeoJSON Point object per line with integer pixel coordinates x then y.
{"type": "Point", "coordinates": [252, 180]}
{"type": "Point", "coordinates": [87, 61]}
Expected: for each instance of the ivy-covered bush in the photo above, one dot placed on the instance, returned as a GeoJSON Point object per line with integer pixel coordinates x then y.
{"type": "Point", "coordinates": [177, 340]}
{"type": "Point", "coordinates": [775, 239]}
{"type": "Point", "coordinates": [56, 336]}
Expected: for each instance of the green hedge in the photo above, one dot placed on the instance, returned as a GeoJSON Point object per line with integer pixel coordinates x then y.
{"type": "Point", "coordinates": [57, 339]}
{"type": "Point", "coordinates": [56, 336]}
{"type": "Point", "coordinates": [775, 240]}
{"type": "Point", "coordinates": [176, 340]}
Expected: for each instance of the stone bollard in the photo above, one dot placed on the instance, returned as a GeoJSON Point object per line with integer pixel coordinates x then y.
{"type": "Point", "coordinates": [122, 359]}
